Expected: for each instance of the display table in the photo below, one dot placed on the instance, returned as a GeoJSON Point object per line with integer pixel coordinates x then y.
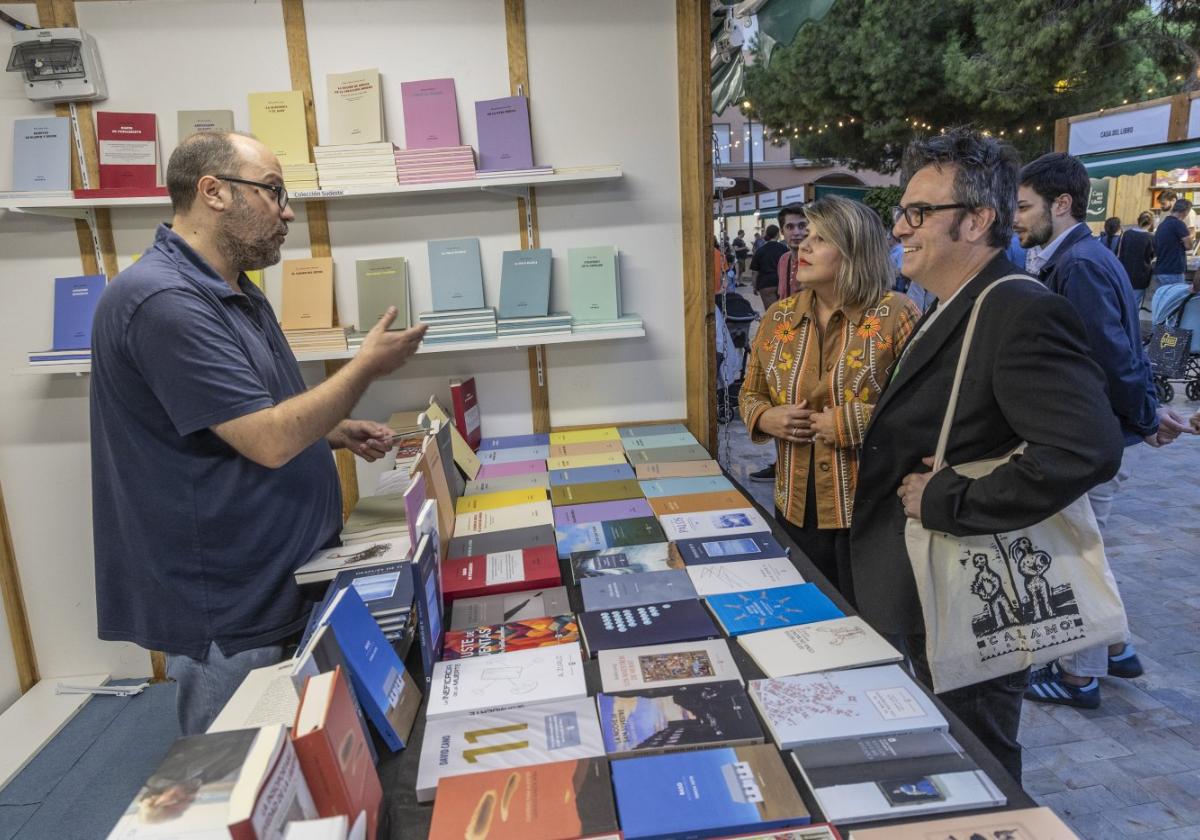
{"type": "Point", "coordinates": [404, 818]}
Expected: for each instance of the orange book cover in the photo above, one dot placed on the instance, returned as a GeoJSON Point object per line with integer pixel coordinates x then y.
{"type": "Point", "coordinates": [308, 294]}
{"type": "Point", "coordinates": [562, 800]}
{"type": "Point", "coordinates": [333, 751]}
{"type": "Point", "coordinates": [696, 502]}
{"type": "Point", "coordinates": [676, 469]}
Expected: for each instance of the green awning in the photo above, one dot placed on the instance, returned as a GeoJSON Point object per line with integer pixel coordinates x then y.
{"type": "Point", "coordinates": [1146, 159]}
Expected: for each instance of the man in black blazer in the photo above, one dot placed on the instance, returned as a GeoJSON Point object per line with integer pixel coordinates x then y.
{"type": "Point", "coordinates": [1028, 379]}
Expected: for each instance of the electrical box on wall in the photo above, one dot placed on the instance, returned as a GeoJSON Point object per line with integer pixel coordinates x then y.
{"type": "Point", "coordinates": [60, 65]}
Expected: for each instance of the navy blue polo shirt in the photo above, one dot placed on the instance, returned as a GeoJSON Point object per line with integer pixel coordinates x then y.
{"type": "Point", "coordinates": [193, 542]}
{"type": "Point", "coordinates": [1168, 246]}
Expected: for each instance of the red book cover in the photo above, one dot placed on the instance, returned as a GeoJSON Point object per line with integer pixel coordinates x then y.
{"type": "Point", "coordinates": [333, 752]}
{"type": "Point", "coordinates": [521, 634]}
{"type": "Point", "coordinates": [466, 410]}
{"type": "Point", "coordinates": [128, 150]}
{"type": "Point", "coordinates": [503, 571]}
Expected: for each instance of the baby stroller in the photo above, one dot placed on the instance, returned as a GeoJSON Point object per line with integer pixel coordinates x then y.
{"type": "Point", "coordinates": [738, 316]}
{"type": "Point", "coordinates": [1178, 307]}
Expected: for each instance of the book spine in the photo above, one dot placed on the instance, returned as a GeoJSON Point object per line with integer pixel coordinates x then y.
{"type": "Point", "coordinates": [319, 764]}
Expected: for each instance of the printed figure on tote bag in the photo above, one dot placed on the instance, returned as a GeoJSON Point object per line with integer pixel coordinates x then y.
{"type": "Point", "coordinates": [994, 421]}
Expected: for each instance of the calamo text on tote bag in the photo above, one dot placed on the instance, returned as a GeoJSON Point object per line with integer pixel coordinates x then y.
{"type": "Point", "coordinates": [1170, 346]}
{"type": "Point", "coordinates": [997, 603]}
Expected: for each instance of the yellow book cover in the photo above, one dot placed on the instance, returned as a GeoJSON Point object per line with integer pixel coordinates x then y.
{"type": "Point", "coordinates": [677, 469]}
{"type": "Point", "coordinates": [308, 294]}
{"type": "Point", "coordinates": [598, 491]}
{"type": "Point", "coordinates": [277, 119]}
{"type": "Point", "coordinates": [585, 435]}
{"type": "Point", "coordinates": [503, 498]}
{"type": "Point", "coordinates": [572, 462]}
{"type": "Point", "coordinates": [504, 519]}
{"type": "Point", "coordinates": [696, 502]}
{"type": "Point", "coordinates": [589, 447]}
{"type": "Point", "coordinates": [464, 455]}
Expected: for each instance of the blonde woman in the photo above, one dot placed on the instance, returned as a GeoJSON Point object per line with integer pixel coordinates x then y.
{"type": "Point", "coordinates": [817, 366]}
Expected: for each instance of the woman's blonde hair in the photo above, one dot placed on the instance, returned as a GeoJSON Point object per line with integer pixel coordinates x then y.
{"type": "Point", "coordinates": [857, 233]}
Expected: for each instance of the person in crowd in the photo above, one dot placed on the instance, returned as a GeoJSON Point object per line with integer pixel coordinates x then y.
{"type": "Point", "coordinates": [794, 224]}
{"type": "Point", "coordinates": [1135, 250]}
{"type": "Point", "coordinates": [1052, 200]}
{"type": "Point", "coordinates": [719, 267]}
{"type": "Point", "coordinates": [1171, 243]}
{"type": "Point", "coordinates": [212, 468]}
{"type": "Point", "coordinates": [815, 371]}
{"type": "Point", "coordinates": [1014, 253]}
{"type": "Point", "coordinates": [1029, 378]}
{"type": "Point", "coordinates": [1110, 237]}
{"type": "Point", "coordinates": [758, 240]}
{"type": "Point", "coordinates": [1166, 202]}
{"type": "Point", "coordinates": [741, 253]}
{"type": "Point", "coordinates": [764, 266]}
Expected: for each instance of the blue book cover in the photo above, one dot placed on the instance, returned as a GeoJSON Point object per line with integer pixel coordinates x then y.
{"type": "Point", "coordinates": [706, 793]}
{"type": "Point", "coordinates": [627, 560]}
{"type": "Point", "coordinates": [516, 453]}
{"type": "Point", "coordinates": [685, 486]}
{"type": "Point", "coordinates": [757, 546]}
{"type": "Point", "coordinates": [376, 672]}
{"type": "Point", "coordinates": [513, 441]}
{"type": "Point", "coordinates": [42, 154]}
{"type": "Point", "coordinates": [658, 441]}
{"type": "Point", "coordinates": [75, 300]}
{"type": "Point", "coordinates": [767, 609]}
{"type": "Point", "coordinates": [660, 623]}
{"type": "Point", "coordinates": [430, 628]}
{"type": "Point", "coordinates": [633, 590]}
{"type": "Point", "coordinates": [455, 274]}
{"type": "Point", "coordinates": [652, 429]}
{"type": "Point", "coordinates": [615, 533]}
{"type": "Point", "coordinates": [682, 717]}
{"type": "Point", "coordinates": [525, 283]}
{"type": "Point", "coordinates": [591, 475]}
{"type": "Point", "coordinates": [387, 590]}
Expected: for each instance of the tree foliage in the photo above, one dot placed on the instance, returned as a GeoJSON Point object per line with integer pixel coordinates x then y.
{"type": "Point", "coordinates": [886, 70]}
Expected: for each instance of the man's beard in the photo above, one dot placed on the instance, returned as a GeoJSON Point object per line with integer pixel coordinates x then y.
{"type": "Point", "coordinates": [1040, 233]}
{"type": "Point", "coordinates": [242, 243]}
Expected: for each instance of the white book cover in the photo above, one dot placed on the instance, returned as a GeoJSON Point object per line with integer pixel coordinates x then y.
{"type": "Point", "coordinates": [540, 734]}
{"type": "Point", "coordinates": [268, 695]}
{"type": "Point", "coordinates": [821, 646]}
{"type": "Point", "coordinates": [743, 575]}
{"type": "Point", "coordinates": [712, 523]}
{"type": "Point", "coordinates": [356, 110]}
{"type": "Point", "coordinates": [325, 564]}
{"type": "Point", "coordinates": [513, 678]}
{"type": "Point", "coordinates": [504, 519]}
{"type": "Point", "coordinates": [832, 705]}
{"type": "Point", "coordinates": [680, 663]}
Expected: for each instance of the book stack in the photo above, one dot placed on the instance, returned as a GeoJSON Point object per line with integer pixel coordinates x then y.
{"type": "Point", "coordinates": [325, 340]}
{"type": "Point", "coordinates": [556, 324]}
{"type": "Point", "coordinates": [459, 325]}
{"type": "Point", "coordinates": [360, 166]}
{"type": "Point", "coordinates": [298, 177]}
{"type": "Point", "coordinates": [75, 301]}
{"type": "Point", "coordinates": [426, 166]}
{"type": "Point", "coordinates": [624, 322]}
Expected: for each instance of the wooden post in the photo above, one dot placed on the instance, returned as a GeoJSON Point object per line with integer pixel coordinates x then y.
{"type": "Point", "coordinates": [296, 34]}
{"type": "Point", "coordinates": [527, 221]}
{"type": "Point", "coordinates": [695, 177]}
{"type": "Point", "coordinates": [1062, 134]}
{"type": "Point", "coordinates": [14, 607]}
{"type": "Point", "coordinates": [1177, 128]}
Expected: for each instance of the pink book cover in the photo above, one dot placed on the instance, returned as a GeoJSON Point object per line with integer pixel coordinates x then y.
{"type": "Point", "coordinates": [128, 146]}
{"type": "Point", "coordinates": [511, 468]}
{"type": "Point", "coordinates": [601, 512]}
{"type": "Point", "coordinates": [414, 497]}
{"type": "Point", "coordinates": [430, 114]}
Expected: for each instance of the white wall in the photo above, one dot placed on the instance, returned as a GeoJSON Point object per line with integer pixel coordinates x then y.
{"type": "Point", "coordinates": [603, 82]}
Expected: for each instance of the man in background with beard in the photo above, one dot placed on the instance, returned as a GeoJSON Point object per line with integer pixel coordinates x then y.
{"type": "Point", "coordinates": [212, 468]}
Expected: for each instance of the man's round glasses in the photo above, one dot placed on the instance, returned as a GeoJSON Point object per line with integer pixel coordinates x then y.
{"type": "Point", "coordinates": [914, 214]}
{"type": "Point", "coordinates": [281, 193]}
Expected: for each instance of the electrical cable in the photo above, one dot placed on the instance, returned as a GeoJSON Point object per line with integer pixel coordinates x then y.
{"type": "Point", "coordinates": [14, 23]}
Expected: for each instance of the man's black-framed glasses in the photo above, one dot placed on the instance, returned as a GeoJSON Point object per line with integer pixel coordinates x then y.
{"type": "Point", "coordinates": [281, 193]}
{"type": "Point", "coordinates": [914, 214]}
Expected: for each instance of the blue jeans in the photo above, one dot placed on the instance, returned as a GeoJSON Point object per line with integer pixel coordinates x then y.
{"type": "Point", "coordinates": [205, 685]}
{"type": "Point", "coordinates": [1168, 279]}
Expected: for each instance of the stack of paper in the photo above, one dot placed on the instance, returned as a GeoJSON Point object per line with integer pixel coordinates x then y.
{"type": "Point", "coordinates": [317, 341]}
{"type": "Point", "coordinates": [423, 166]}
{"type": "Point", "coordinates": [356, 165]}
{"type": "Point", "coordinates": [300, 176]}
{"type": "Point", "coordinates": [625, 322]}
{"type": "Point", "coordinates": [559, 322]}
{"type": "Point", "coordinates": [459, 325]}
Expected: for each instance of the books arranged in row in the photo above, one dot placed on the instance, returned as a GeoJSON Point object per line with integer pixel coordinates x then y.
{"type": "Point", "coordinates": [428, 166]}
{"type": "Point", "coordinates": [362, 165]}
{"type": "Point", "coordinates": [75, 301]}
{"type": "Point", "coordinates": [326, 340]}
{"type": "Point", "coordinates": [459, 325]}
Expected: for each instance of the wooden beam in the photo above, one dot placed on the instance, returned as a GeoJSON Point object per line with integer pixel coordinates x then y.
{"type": "Point", "coordinates": [1177, 129]}
{"type": "Point", "coordinates": [296, 33]}
{"type": "Point", "coordinates": [14, 607]}
{"type": "Point", "coordinates": [527, 222]}
{"type": "Point", "coordinates": [695, 178]}
{"type": "Point", "coordinates": [1062, 135]}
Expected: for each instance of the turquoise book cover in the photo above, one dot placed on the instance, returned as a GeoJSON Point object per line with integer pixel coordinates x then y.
{"type": "Point", "coordinates": [455, 274]}
{"type": "Point", "coordinates": [593, 283]}
{"type": "Point", "coordinates": [525, 283]}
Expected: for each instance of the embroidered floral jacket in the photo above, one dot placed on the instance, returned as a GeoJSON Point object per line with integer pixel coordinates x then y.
{"type": "Point", "coordinates": [847, 368]}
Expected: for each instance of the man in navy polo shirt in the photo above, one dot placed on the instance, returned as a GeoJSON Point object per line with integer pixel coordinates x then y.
{"type": "Point", "coordinates": [212, 468]}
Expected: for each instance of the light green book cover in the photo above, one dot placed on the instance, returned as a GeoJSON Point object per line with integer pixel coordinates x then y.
{"type": "Point", "coordinates": [382, 283]}
{"type": "Point", "coordinates": [594, 283]}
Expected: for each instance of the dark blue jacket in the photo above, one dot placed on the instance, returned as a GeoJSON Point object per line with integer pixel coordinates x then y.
{"type": "Point", "coordinates": [1086, 273]}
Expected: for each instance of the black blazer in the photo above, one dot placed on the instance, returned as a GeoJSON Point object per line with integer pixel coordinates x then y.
{"type": "Point", "coordinates": [1028, 378]}
{"type": "Point", "coordinates": [1135, 250]}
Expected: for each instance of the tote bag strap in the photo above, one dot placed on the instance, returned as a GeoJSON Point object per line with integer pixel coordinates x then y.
{"type": "Point", "coordinates": [939, 457]}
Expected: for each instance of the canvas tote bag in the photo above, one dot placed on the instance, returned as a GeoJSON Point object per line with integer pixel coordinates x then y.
{"type": "Point", "coordinates": [997, 603]}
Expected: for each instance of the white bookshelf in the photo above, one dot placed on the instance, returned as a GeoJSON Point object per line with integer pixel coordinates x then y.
{"type": "Point", "coordinates": [515, 342]}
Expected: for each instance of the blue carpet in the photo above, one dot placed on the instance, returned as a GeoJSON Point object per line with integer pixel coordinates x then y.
{"type": "Point", "coordinates": [81, 782]}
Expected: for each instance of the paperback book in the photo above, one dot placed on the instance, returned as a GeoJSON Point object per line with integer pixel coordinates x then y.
{"type": "Point", "coordinates": [685, 486]}
{"type": "Point", "coordinates": [650, 624]}
{"type": "Point", "coordinates": [355, 107]}
{"type": "Point", "coordinates": [430, 114]}
{"type": "Point", "coordinates": [511, 468]}
{"type": "Point", "coordinates": [599, 459]}
{"type": "Point", "coordinates": [698, 502]}
{"type": "Point", "coordinates": [504, 138]}
{"type": "Point", "coordinates": [198, 122]}
{"type": "Point", "coordinates": [770, 609]}
{"type": "Point", "coordinates": [455, 274]}
{"type": "Point", "coordinates": [128, 145]}
{"type": "Point", "coordinates": [41, 154]}
{"type": "Point", "coordinates": [676, 469]}
{"type": "Point", "coordinates": [634, 590]}
{"type": "Point", "coordinates": [517, 453]}
{"type": "Point", "coordinates": [511, 441]}
{"type": "Point", "coordinates": [742, 575]}
{"type": "Point", "coordinates": [581, 435]}
{"type": "Point", "coordinates": [512, 606]}
{"type": "Point", "coordinates": [522, 634]}
{"type": "Point", "coordinates": [277, 119]}
{"type": "Point", "coordinates": [701, 550]}
{"type": "Point", "coordinates": [1022, 824]}
{"type": "Point", "coordinates": [847, 642]}
{"type": "Point", "coordinates": [500, 572]}
{"type": "Point", "coordinates": [327, 563]}
{"type": "Point", "coordinates": [713, 523]}
{"type": "Point", "coordinates": [75, 301]}
{"type": "Point", "coordinates": [591, 475]}
{"type": "Point", "coordinates": [383, 282]}
{"type": "Point", "coordinates": [525, 283]}
{"type": "Point", "coordinates": [601, 512]}
{"type": "Point", "coordinates": [510, 482]}
{"type": "Point", "coordinates": [499, 499]}
{"type": "Point", "coordinates": [658, 440]}
{"type": "Point", "coordinates": [599, 491]}
{"type": "Point", "coordinates": [387, 591]}
{"type": "Point", "coordinates": [308, 294]}
{"type": "Point", "coordinates": [667, 454]}
{"type": "Point", "coordinates": [503, 519]}
{"type": "Point", "coordinates": [594, 285]}
{"type": "Point", "coordinates": [512, 678]}
{"type": "Point", "coordinates": [651, 429]}
{"type": "Point", "coordinates": [653, 666]}
{"type": "Point", "coordinates": [616, 533]}
{"type": "Point", "coordinates": [591, 447]}
{"type": "Point", "coordinates": [427, 582]}
{"type": "Point", "coordinates": [688, 717]}
{"type": "Point", "coordinates": [516, 539]}
{"type": "Point", "coordinates": [617, 562]}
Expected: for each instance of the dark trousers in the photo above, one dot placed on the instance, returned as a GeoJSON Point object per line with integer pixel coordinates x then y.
{"type": "Point", "coordinates": [990, 709]}
{"type": "Point", "coordinates": [827, 548]}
